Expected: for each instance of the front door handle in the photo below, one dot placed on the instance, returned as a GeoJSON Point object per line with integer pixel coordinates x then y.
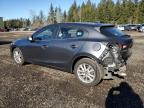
{"type": "Point", "coordinates": [44, 46]}
{"type": "Point", "coordinates": [74, 46]}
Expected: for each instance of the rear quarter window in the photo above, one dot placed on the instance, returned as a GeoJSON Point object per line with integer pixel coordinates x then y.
{"type": "Point", "coordinates": [111, 31]}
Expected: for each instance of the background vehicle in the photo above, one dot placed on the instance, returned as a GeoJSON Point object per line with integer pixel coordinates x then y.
{"type": "Point", "coordinates": [121, 27]}
{"type": "Point", "coordinates": [141, 29]}
{"type": "Point", "coordinates": [138, 27]}
{"type": "Point", "coordinates": [92, 51]}
{"type": "Point", "coordinates": [131, 27]}
{"type": "Point", "coordinates": [2, 30]}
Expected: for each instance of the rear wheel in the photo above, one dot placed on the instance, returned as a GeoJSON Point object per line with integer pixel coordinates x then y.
{"type": "Point", "coordinates": [88, 72]}
{"type": "Point", "coordinates": [18, 56]}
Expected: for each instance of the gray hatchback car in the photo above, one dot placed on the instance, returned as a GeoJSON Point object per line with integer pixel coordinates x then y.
{"type": "Point", "coordinates": [91, 51]}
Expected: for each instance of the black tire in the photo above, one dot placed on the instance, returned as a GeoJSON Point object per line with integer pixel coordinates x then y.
{"type": "Point", "coordinates": [22, 58]}
{"type": "Point", "coordinates": [97, 69]}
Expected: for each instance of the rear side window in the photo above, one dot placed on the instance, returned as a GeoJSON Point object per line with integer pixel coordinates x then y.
{"type": "Point", "coordinates": [112, 31]}
{"type": "Point", "coordinates": [70, 32]}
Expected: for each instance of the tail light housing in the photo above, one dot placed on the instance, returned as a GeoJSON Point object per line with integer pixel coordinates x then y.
{"type": "Point", "coordinates": [123, 46]}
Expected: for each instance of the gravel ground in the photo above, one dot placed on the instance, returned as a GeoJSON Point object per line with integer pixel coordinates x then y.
{"type": "Point", "coordinates": [33, 86]}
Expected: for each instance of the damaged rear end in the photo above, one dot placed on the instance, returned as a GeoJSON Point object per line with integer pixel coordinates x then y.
{"type": "Point", "coordinates": [117, 51]}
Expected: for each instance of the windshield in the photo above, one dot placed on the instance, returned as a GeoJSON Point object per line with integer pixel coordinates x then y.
{"type": "Point", "coordinates": [112, 31]}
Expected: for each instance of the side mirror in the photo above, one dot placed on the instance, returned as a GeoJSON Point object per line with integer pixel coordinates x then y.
{"type": "Point", "coordinates": [30, 38]}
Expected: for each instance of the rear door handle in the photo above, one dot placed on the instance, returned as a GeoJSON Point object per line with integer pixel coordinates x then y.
{"type": "Point", "coordinates": [74, 46]}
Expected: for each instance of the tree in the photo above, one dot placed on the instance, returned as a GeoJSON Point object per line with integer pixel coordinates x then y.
{"type": "Point", "coordinates": [117, 12]}
{"type": "Point", "coordinates": [101, 13]}
{"type": "Point", "coordinates": [51, 16]}
{"type": "Point", "coordinates": [41, 18]}
{"type": "Point", "coordinates": [130, 12]}
{"type": "Point", "coordinates": [59, 15]}
{"type": "Point", "coordinates": [89, 8]}
{"type": "Point", "coordinates": [33, 19]}
{"type": "Point", "coordinates": [73, 13]}
{"type": "Point", "coordinates": [106, 11]}
{"type": "Point", "coordinates": [82, 12]}
{"type": "Point", "coordinates": [64, 16]}
{"type": "Point", "coordinates": [120, 11]}
{"type": "Point", "coordinates": [141, 12]}
{"type": "Point", "coordinates": [1, 22]}
{"type": "Point", "coordinates": [136, 11]}
{"type": "Point", "coordinates": [109, 11]}
{"type": "Point", "coordinates": [28, 22]}
{"type": "Point", "coordinates": [124, 13]}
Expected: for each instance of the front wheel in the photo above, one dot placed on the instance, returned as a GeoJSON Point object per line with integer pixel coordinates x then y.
{"type": "Point", "coordinates": [18, 56]}
{"type": "Point", "coordinates": [88, 72]}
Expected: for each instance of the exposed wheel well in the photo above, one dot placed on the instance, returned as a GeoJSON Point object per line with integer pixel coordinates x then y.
{"type": "Point", "coordinates": [79, 58]}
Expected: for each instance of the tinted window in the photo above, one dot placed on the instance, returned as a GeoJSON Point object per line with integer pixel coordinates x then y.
{"type": "Point", "coordinates": [45, 33]}
{"type": "Point", "coordinates": [112, 31]}
{"type": "Point", "coordinates": [70, 32]}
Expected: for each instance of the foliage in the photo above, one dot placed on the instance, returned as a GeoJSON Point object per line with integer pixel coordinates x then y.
{"type": "Point", "coordinates": [17, 23]}
{"type": "Point", "coordinates": [1, 22]}
{"type": "Point", "coordinates": [73, 13]}
{"type": "Point", "coordinates": [109, 11]}
{"type": "Point", "coordinates": [37, 20]}
{"type": "Point", "coordinates": [120, 11]}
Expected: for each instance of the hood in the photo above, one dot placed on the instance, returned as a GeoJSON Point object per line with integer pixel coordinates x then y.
{"type": "Point", "coordinates": [20, 41]}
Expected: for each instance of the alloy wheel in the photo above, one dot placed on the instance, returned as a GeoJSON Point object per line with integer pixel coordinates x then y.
{"type": "Point", "coordinates": [17, 57]}
{"type": "Point", "coordinates": [86, 73]}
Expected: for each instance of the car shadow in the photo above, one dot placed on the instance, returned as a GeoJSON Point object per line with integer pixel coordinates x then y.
{"type": "Point", "coordinates": [123, 96]}
{"type": "Point", "coordinates": [4, 42]}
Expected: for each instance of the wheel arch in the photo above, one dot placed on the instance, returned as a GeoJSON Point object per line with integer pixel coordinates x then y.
{"type": "Point", "coordinates": [12, 48]}
{"type": "Point", "coordinates": [81, 56]}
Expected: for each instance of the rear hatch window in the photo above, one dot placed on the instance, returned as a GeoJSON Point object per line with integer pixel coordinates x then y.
{"type": "Point", "coordinates": [112, 31]}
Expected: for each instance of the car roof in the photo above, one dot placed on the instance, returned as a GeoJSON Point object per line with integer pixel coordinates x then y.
{"type": "Point", "coordinates": [86, 24]}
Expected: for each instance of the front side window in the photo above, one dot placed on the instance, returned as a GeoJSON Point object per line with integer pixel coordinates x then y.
{"type": "Point", "coordinates": [45, 34]}
{"type": "Point", "coordinates": [70, 32]}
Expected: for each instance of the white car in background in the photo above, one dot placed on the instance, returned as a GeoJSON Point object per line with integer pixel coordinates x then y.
{"type": "Point", "coordinates": [142, 28]}
{"type": "Point", "coordinates": [121, 27]}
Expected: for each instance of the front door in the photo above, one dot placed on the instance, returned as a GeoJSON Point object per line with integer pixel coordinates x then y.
{"type": "Point", "coordinates": [37, 50]}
